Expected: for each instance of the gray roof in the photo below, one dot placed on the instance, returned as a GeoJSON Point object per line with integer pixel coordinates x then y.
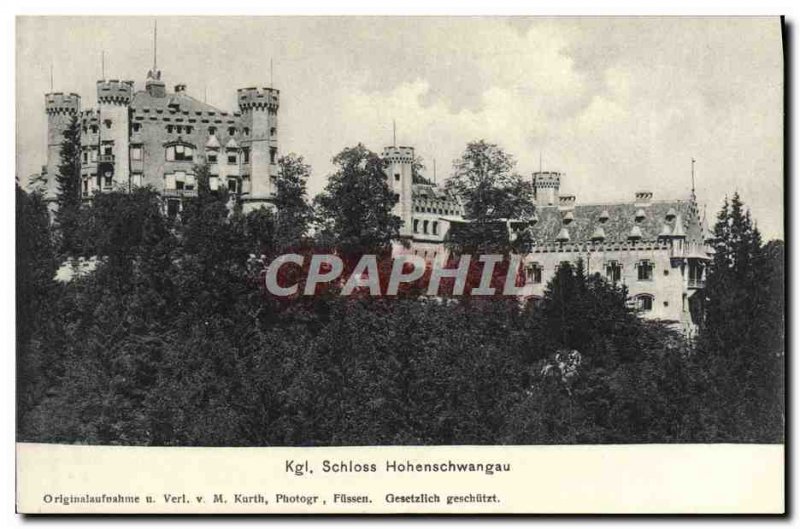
{"type": "Point", "coordinates": [622, 221]}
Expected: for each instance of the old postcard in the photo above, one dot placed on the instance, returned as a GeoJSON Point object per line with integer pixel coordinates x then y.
{"type": "Point", "coordinates": [400, 265]}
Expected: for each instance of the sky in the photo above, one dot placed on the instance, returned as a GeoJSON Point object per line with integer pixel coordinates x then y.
{"type": "Point", "coordinates": [617, 104]}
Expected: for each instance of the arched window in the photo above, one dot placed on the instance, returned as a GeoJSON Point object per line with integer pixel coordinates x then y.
{"type": "Point", "coordinates": [424, 226]}
{"type": "Point", "coordinates": [644, 302]}
{"type": "Point", "coordinates": [179, 152]}
{"type": "Point", "coordinates": [416, 225]}
{"type": "Point", "coordinates": [435, 228]}
{"type": "Point", "coordinates": [533, 273]}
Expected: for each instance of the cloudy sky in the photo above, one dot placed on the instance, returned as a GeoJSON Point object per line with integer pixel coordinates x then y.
{"type": "Point", "coordinates": [618, 104]}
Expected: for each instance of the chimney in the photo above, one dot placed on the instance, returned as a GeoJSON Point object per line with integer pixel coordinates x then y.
{"type": "Point", "coordinates": [643, 198]}
{"type": "Point", "coordinates": [566, 202]}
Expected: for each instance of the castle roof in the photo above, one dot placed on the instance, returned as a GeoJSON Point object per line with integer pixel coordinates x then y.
{"type": "Point", "coordinates": [174, 101]}
{"type": "Point", "coordinates": [624, 219]}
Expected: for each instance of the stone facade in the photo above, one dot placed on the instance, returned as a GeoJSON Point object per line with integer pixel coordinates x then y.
{"type": "Point", "coordinates": [155, 138]}
{"type": "Point", "coordinates": [658, 249]}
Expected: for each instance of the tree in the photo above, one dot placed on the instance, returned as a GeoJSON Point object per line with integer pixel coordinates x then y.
{"type": "Point", "coordinates": [741, 341]}
{"type": "Point", "coordinates": [485, 179]}
{"type": "Point", "coordinates": [294, 213]}
{"type": "Point", "coordinates": [355, 209]}
{"type": "Point", "coordinates": [493, 193]}
{"type": "Point", "coordinates": [68, 196]}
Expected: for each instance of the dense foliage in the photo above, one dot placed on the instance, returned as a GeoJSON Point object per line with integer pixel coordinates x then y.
{"type": "Point", "coordinates": [170, 340]}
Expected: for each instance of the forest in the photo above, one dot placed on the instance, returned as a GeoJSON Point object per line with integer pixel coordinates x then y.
{"type": "Point", "coordinates": [168, 338]}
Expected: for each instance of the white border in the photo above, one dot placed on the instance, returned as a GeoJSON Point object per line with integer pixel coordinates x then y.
{"type": "Point", "coordinates": [307, 7]}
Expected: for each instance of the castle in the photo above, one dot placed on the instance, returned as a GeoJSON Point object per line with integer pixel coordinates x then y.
{"type": "Point", "coordinates": [155, 137]}
{"type": "Point", "coordinates": [658, 249]}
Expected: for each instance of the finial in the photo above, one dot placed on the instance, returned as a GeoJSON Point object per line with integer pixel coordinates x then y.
{"type": "Point", "coordinates": [693, 162]}
{"type": "Point", "coordinates": [394, 133]}
{"type": "Point", "coordinates": [271, 85]}
{"type": "Point", "coordinates": [103, 65]}
{"type": "Point", "coordinates": [540, 160]}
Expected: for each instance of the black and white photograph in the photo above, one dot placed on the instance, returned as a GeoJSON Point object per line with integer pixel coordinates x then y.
{"type": "Point", "coordinates": [365, 231]}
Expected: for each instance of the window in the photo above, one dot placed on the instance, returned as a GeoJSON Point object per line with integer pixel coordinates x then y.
{"type": "Point", "coordinates": [273, 131]}
{"type": "Point", "coordinates": [107, 123]}
{"type": "Point", "coordinates": [645, 270]}
{"type": "Point", "coordinates": [180, 153]}
{"type": "Point", "coordinates": [85, 186]}
{"type": "Point", "coordinates": [136, 179]}
{"type": "Point", "coordinates": [613, 271]}
{"type": "Point", "coordinates": [231, 131]}
{"type": "Point", "coordinates": [211, 156]}
{"type": "Point", "coordinates": [246, 155]}
{"type": "Point", "coordinates": [397, 177]}
{"type": "Point", "coordinates": [273, 154]}
{"type": "Point", "coordinates": [94, 129]}
{"type": "Point", "coordinates": [644, 302]}
{"type": "Point", "coordinates": [169, 129]}
{"type": "Point", "coordinates": [424, 226]}
{"type": "Point", "coordinates": [85, 156]}
{"type": "Point", "coordinates": [212, 131]}
{"type": "Point", "coordinates": [107, 180]}
{"type": "Point", "coordinates": [232, 185]}
{"type": "Point", "coordinates": [136, 152]}
{"type": "Point", "coordinates": [246, 131]}
{"type": "Point", "coordinates": [533, 273]}
{"type": "Point", "coordinates": [189, 129]}
{"type": "Point", "coordinates": [108, 150]}
{"type": "Point", "coordinates": [233, 159]}
{"type": "Point", "coordinates": [137, 127]}
{"type": "Point", "coordinates": [416, 225]}
{"type": "Point", "coordinates": [435, 228]}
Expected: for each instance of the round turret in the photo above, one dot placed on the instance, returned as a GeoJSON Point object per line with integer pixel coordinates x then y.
{"type": "Point", "coordinates": [114, 92]}
{"type": "Point", "coordinates": [61, 103]}
{"type": "Point", "coordinates": [258, 99]}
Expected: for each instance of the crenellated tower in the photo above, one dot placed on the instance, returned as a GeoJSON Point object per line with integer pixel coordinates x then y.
{"type": "Point", "coordinates": [113, 101]}
{"type": "Point", "coordinates": [399, 172]}
{"type": "Point", "coordinates": [60, 109]}
{"type": "Point", "coordinates": [546, 187]}
{"type": "Point", "coordinates": [259, 107]}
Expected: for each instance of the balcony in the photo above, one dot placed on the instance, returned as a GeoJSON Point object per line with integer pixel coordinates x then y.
{"type": "Point", "coordinates": [105, 158]}
{"type": "Point", "coordinates": [180, 193]}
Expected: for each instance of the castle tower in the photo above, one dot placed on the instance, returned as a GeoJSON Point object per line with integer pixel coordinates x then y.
{"type": "Point", "coordinates": [259, 107]}
{"type": "Point", "coordinates": [546, 186]}
{"type": "Point", "coordinates": [60, 109]}
{"type": "Point", "coordinates": [400, 178]}
{"type": "Point", "coordinates": [113, 101]}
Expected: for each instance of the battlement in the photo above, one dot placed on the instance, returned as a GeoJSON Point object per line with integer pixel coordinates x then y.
{"type": "Point", "coordinates": [62, 103]}
{"type": "Point", "coordinates": [400, 154]}
{"type": "Point", "coordinates": [566, 201]}
{"type": "Point", "coordinates": [114, 91]}
{"type": "Point", "coordinates": [258, 98]}
{"type": "Point", "coordinates": [547, 178]}
{"type": "Point", "coordinates": [644, 197]}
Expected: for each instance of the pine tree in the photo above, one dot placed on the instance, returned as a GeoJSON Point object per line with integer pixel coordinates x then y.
{"type": "Point", "coordinates": [68, 197]}
{"type": "Point", "coordinates": [740, 351]}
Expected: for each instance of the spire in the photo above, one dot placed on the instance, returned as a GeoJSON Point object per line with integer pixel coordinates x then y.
{"type": "Point", "coordinates": [693, 162]}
